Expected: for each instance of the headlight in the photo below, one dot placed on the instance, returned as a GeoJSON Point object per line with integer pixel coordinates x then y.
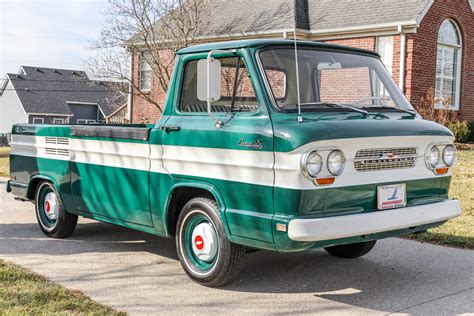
{"type": "Point", "coordinates": [433, 156]}
{"type": "Point", "coordinates": [311, 164]}
{"type": "Point", "coordinates": [449, 155]}
{"type": "Point", "coordinates": [336, 162]}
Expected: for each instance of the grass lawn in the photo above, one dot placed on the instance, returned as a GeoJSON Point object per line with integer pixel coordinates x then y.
{"type": "Point", "coordinates": [26, 293]}
{"type": "Point", "coordinates": [458, 232]}
{"type": "Point", "coordinates": [4, 161]}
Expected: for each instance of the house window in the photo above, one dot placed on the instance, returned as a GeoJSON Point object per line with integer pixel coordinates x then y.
{"type": "Point", "coordinates": [145, 75]}
{"type": "Point", "coordinates": [448, 66]}
{"type": "Point", "coordinates": [385, 49]}
{"type": "Point", "coordinates": [58, 121]}
{"type": "Point", "coordinates": [85, 121]}
{"type": "Point", "coordinates": [38, 120]}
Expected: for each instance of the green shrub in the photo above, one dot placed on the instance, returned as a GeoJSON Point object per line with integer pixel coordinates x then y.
{"type": "Point", "coordinates": [460, 130]}
{"type": "Point", "coordinates": [471, 128]}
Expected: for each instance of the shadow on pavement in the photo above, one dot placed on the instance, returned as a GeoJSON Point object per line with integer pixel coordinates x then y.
{"type": "Point", "coordinates": [391, 276]}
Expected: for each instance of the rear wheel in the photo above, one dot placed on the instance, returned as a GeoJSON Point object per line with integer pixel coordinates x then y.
{"type": "Point", "coordinates": [52, 218]}
{"type": "Point", "coordinates": [351, 251]}
{"type": "Point", "coordinates": [204, 251]}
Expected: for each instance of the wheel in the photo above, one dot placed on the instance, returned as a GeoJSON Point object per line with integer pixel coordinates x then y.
{"type": "Point", "coordinates": [351, 251]}
{"type": "Point", "coordinates": [205, 253]}
{"type": "Point", "coordinates": [52, 218]}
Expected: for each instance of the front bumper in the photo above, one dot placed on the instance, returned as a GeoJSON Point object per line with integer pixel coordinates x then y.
{"type": "Point", "coordinates": [337, 227]}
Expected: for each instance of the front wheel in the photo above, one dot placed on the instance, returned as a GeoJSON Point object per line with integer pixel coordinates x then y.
{"type": "Point", "coordinates": [52, 218]}
{"type": "Point", "coordinates": [205, 252]}
{"type": "Point", "coordinates": [351, 251]}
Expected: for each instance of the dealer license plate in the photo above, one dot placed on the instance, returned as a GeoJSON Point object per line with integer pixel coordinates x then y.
{"type": "Point", "coordinates": [391, 196]}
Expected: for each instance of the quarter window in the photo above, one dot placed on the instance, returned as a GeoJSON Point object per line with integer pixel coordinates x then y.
{"type": "Point", "coordinates": [145, 74]}
{"type": "Point", "coordinates": [237, 92]}
{"type": "Point", "coordinates": [448, 66]}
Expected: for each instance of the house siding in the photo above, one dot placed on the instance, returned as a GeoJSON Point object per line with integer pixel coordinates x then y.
{"type": "Point", "coordinates": [11, 110]}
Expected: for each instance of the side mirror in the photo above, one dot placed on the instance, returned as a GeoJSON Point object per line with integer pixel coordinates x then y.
{"type": "Point", "coordinates": [209, 80]}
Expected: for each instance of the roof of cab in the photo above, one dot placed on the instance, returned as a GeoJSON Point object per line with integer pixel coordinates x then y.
{"type": "Point", "coordinates": [267, 42]}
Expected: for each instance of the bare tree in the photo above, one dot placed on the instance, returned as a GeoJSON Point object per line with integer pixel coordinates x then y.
{"type": "Point", "coordinates": [151, 29]}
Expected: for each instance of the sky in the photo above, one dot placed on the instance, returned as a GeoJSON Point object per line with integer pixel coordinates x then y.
{"type": "Point", "coordinates": [48, 33]}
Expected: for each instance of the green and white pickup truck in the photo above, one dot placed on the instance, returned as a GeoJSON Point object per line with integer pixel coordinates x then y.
{"type": "Point", "coordinates": [255, 150]}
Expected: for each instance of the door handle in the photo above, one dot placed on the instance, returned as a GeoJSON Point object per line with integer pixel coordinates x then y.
{"type": "Point", "coordinates": [170, 128]}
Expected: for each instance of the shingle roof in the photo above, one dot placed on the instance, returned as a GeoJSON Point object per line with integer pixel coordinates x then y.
{"type": "Point", "coordinates": [47, 90]}
{"type": "Point", "coordinates": [223, 18]}
{"type": "Point", "coordinates": [330, 14]}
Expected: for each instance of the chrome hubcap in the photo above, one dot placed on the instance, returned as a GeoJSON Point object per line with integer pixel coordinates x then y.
{"type": "Point", "coordinates": [204, 240]}
{"type": "Point", "coordinates": [51, 207]}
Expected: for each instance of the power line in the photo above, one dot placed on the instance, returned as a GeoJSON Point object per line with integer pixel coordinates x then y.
{"type": "Point", "coordinates": [39, 61]}
{"type": "Point", "coordinates": [46, 37]}
{"type": "Point", "coordinates": [56, 90]}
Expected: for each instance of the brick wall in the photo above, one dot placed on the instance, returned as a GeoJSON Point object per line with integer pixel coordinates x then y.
{"type": "Point", "coordinates": [359, 42]}
{"type": "Point", "coordinates": [421, 54]}
{"type": "Point", "coordinates": [142, 110]}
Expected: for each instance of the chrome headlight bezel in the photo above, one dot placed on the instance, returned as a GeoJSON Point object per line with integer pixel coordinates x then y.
{"type": "Point", "coordinates": [305, 159]}
{"type": "Point", "coordinates": [432, 157]}
{"type": "Point", "coordinates": [454, 155]}
{"type": "Point", "coordinates": [336, 154]}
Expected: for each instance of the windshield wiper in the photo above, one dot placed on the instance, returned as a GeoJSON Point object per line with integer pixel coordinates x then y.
{"type": "Point", "coordinates": [330, 104]}
{"type": "Point", "coordinates": [391, 108]}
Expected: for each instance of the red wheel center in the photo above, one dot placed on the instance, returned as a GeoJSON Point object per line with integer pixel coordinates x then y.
{"type": "Point", "coordinates": [48, 206]}
{"type": "Point", "coordinates": [199, 242]}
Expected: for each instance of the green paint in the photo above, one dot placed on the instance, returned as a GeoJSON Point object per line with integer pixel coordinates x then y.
{"type": "Point", "coordinates": [142, 200]}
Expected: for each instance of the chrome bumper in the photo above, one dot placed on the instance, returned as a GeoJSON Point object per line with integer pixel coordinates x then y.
{"type": "Point", "coordinates": [336, 227]}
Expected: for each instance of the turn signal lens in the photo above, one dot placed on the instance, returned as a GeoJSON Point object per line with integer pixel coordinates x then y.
{"type": "Point", "coordinates": [441, 170]}
{"type": "Point", "coordinates": [325, 181]}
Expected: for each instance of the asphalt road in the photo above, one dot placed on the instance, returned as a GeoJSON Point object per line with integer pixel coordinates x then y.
{"type": "Point", "coordinates": [140, 274]}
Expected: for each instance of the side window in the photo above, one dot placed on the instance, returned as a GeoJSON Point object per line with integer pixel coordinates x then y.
{"type": "Point", "coordinates": [277, 80]}
{"type": "Point", "coordinates": [238, 94]}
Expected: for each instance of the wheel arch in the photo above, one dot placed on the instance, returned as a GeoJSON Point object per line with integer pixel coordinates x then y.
{"type": "Point", "coordinates": [181, 193]}
{"type": "Point", "coordinates": [33, 185]}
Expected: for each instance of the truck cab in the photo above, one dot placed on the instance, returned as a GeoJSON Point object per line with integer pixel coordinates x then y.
{"type": "Point", "coordinates": [260, 146]}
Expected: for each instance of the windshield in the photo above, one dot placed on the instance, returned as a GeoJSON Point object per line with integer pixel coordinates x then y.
{"type": "Point", "coordinates": [329, 80]}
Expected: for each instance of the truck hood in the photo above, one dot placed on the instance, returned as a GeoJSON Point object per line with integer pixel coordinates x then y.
{"type": "Point", "coordinates": [290, 135]}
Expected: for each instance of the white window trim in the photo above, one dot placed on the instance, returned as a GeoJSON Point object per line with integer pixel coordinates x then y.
{"type": "Point", "coordinates": [86, 121]}
{"type": "Point", "coordinates": [58, 121]}
{"type": "Point", "coordinates": [457, 89]}
{"type": "Point", "coordinates": [38, 119]}
{"type": "Point", "coordinates": [141, 58]}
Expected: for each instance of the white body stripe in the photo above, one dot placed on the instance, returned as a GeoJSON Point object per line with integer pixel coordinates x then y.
{"type": "Point", "coordinates": [288, 170]}
{"type": "Point", "coordinates": [281, 169]}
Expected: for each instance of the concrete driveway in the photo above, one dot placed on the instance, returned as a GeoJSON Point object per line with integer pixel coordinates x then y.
{"type": "Point", "coordinates": [140, 274]}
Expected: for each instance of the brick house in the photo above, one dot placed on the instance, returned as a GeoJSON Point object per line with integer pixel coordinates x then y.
{"type": "Point", "coordinates": [427, 45]}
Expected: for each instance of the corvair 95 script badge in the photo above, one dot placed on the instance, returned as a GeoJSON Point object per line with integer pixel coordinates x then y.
{"type": "Point", "coordinates": [255, 145]}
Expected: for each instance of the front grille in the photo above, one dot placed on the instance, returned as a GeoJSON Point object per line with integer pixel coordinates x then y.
{"type": "Point", "coordinates": [385, 158]}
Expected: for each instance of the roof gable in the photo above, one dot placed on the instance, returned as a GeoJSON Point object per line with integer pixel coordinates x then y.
{"type": "Point", "coordinates": [47, 90]}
